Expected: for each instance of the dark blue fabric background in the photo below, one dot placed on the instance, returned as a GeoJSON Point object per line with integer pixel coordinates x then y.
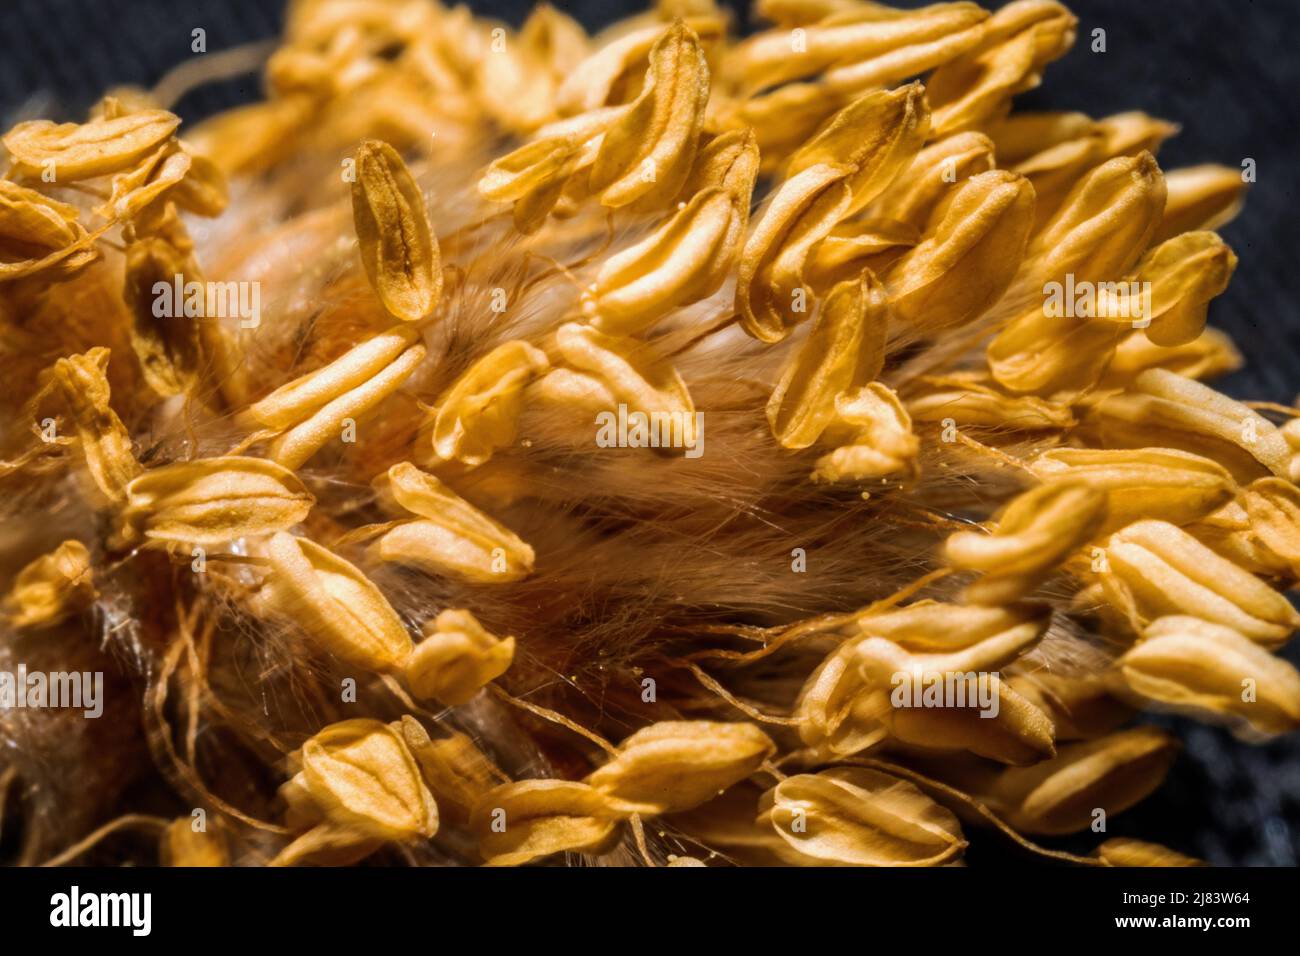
{"type": "Point", "coordinates": [1228, 70]}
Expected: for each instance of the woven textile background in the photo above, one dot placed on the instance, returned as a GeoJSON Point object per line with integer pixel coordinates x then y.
{"type": "Point", "coordinates": [1228, 70]}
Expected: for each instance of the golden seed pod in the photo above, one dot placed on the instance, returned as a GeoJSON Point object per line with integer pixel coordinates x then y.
{"type": "Point", "coordinates": [972, 404]}
{"type": "Point", "coordinates": [517, 84]}
{"type": "Point", "coordinates": [455, 771]}
{"type": "Point", "coordinates": [296, 401]}
{"type": "Point", "coordinates": [1025, 134]}
{"type": "Point", "coordinates": [39, 235]}
{"type": "Point", "coordinates": [181, 845]}
{"type": "Point", "coordinates": [139, 190]}
{"type": "Point", "coordinates": [1160, 483]}
{"type": "Point", "coordinates": [1033, 536]}
{"type": "Point", "coordinates": [971, 257]}
{"type": "Point", "coordinates": [76, 151]}
{"type": "Point", "coordinates": [783, 119]}
{"type": "Point", "coordinates": [1080, 708]}
{"type": "Point", "coordinates": [876, 437]}
{"type": "Point", "coordinates": [674, 765]}
{"type": "Point", "coordinates": [878, 134]}
{"type": "Point", "coordinates": [453, 538]}
{"type": "Point", "coordinates": [1013, 47]}
{"type": "Point", "coordinates": [1184, 273]}
{"type": "Point", "coordinates": [479, 413]}
{"type": "Point", "coordinates": [51, 587]}
{"type": "Point", "coordinates": [211, 500]}
{"type": "Point", "coordinates": [854, 816]}
{"type": "Point", "coordinates": [1062, 795]}
{"type": "Point", "coordinates": [859, 48]}
{"type": "Point", "coordinates": [1164, 409]}
{"type": "Point", "coordinates": [1105, 223]}
{"type": "Point", "coordinates": [1122, 851]}
{"type": "Point", "coordinates": [82, 382]}
{"type": "Point", "coordinates": [647, 154]}
{"type": "Point", "coordinates": [457, 659]}
{"type": "Point", "coordinates": [362, 777]}
{"type": "Point", "coordinates": [524, 821]}
{"type": "Point", "coordinates": [844, 350]}
{"type": "Point", "coordinates": [687, 259]}
{"type": "Point", "coordinates": [1211, 355]}
{"type": "Point", "coordinates": [853, 247]}
{"type": "Point", "coordinates": [1200, 197]}
{"type": "Point", "coordinates": [1129, 133]}
{"type": "Point", "coordinates": [398, 248]}
{"type": "Point", "coordinates": [771, 295]}
{"type": "Point", "coordinates": [1273, 508]}
{"type": "Point", "coordinates": [533, 176]}
{"type": "Point", "coordinates": [596, 372]}
{"type": "Point", "coordinates": [1153, 569]}
{"type": "Point", "coordinates": [335, 604]}
{"type": "Point", "coordinates": [937, 169]}
{"type": "Point", "coordinates": [1206, 668]}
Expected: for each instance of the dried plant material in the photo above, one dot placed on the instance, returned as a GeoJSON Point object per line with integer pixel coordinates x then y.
{"type": "Point", "coordinates": [1016, 43]}
{"type": "Point", "coordinates": [674, 765]}
{"type": "Point", "coordinates": [1154, 569]}
{"type": "Point", "coordinates": [49, 588]}
{"type": "Point", "coordinates": [846, 707]}
{"type": "Point", "coordinates": [520, 822]}
{"type": "Point", "coordinates": [518, 83]}
{"type": "Point", "coordinates": [1210, 355]}
{"type": "Point", "coordinates": [1105, 223]}
{"type": "Point", "coordinates": [598, 372]}
{"type": "Point", "coordinates": [1062, 795]}
{"type": "Point", "coordinates": [1200, 197]}
{"type": "Point", "coordinates": [784, 119]}
{"type": "Point", "coordinates": [845, 350]}
{"type": "Point", "coordinates": [456, 659]}
{"type": "Point", "coordinates": [685, 260]}
{"type": "Point", "coordinates": [75, 151]}
{"type": "Point", "coordinates": [647, 154]}
{"type": "Point", "coordinates": [334, 603]}
{"type": "Point", "coordinates": [1122, 851]}
{"type": "Point", "coordinates": [138, 189]}
{"type": "Point", "coordinates": [771, 295]}
{"type": "Point", "coordinates": [875, 435]}
{"type": "Point", "coordinates": [326, 423]}
{"type": "Point", "coordinates": [879, 135]}
{"type": "Point", "coordinates": [1206, 668]}
{"type": "Point", "coordinates": [214, 500]}
{"type": "Point", "coordinates": [861, 48]}
{"type": "Point", "coordinates": [454, 537]}
{"type": "Point", "coordinates": [82, 382]}
{"type": "Point", "coordinates": [1033, 536]}
{"type": "Point", "coordinates": [170, 349]}
{"type": "Point", "coordinates": [480, 412]}
{"type": "Point", "coordinates": [1164, 409]}
{"type": "Point", "coordinates": [915, 195]}
{"type": "Point", "coordinates": [398, 248]}
{"type": "Point", "coordinates": [599, 290]}
{"type": "Point", "coordinates": [297, 401]}
{"type": "Point", "coordinates": [455, 771]}
{"type": "Point", "coordinates": [854, 816]}
{"type": "Point", "coordinates": [361, 776]}
{"type": "Point", "coordinates": [534, 176]}
{"type": "Point", "coordinates": [1080, 708]}
{"type": "Point", "coordinates": [967, 403]}
{"type": "Point", "coordinates": [39, 233]}
{"type": "Point", "coordinates": [1159, 483]}
{"type": "Point", "coordinates": [851, 247]}
{"type": "Point", "coordinates": [182, 845]}
{"type": "Point", "coordinates": [1273, 507]}
{"type": "Point", "coordinates": [969, 261]}
{"type": "Point", "coordinates": [1184, 273]}
{"type": "Point", "coordinates": [608, 75]}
